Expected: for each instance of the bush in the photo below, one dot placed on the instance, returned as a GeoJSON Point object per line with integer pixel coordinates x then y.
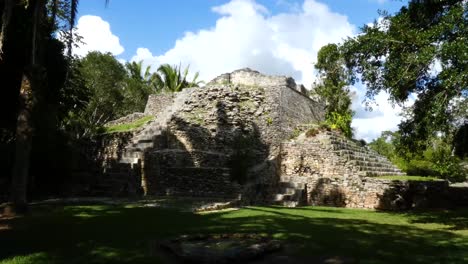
{"type": "Point", "coordinates": [448, 166]}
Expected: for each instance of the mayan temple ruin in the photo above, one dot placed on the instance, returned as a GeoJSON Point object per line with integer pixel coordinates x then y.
{"type": "Point", "coordinates": [253, 138]}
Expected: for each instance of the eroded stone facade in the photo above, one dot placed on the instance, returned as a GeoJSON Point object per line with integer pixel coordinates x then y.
{"type": "Point", "coordinates": [232, 139]}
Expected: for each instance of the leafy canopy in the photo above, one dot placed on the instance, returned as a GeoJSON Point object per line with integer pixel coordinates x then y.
{"type": "Point", "coordinates": [420, 51]}
{"type": "Point", "coordinates": [332, 88]}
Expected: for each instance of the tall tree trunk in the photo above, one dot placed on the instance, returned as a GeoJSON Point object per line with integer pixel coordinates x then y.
{"type": "Point", "coordinates": [33, 77]}
{"type": "Point", "coordinates": [24, 133]}
{"type": "Point", "coordinates": [6, 16]}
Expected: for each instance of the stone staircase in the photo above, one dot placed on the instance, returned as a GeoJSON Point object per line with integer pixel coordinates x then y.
{"type": "Point", "coordinates": [123, 176]}
{"type": "Point", "coordinates": [147, 138]}
{"type": "Point", "coordinates": [167, 167]}
{"type": "Point", "coordinates": [369, 162]}
{"type": "Point", "coordinates": [326, 155]}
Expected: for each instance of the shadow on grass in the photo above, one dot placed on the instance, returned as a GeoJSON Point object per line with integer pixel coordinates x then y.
{"type": "Point", "coordinates": [103, 234]}
{"type": "Point", "coordinates": [453, 219]}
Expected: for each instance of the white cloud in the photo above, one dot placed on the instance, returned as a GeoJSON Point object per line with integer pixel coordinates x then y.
{"type": "Point", "coordinates": [368, 125]}
{"type": "Point", "coordinates": [97, 35]}
{"type": "Point", "coordinates": [247, 35]}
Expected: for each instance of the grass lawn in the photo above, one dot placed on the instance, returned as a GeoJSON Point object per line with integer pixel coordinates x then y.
{"type": "Point", "coordinates": [128, 234]}
{"type": "Point", "coordinates": [129, 126]}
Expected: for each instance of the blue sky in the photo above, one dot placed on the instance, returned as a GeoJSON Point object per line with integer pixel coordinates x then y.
{"type": "Point", "coordinates": [157, 24]}
{"type": "Point", "coordinates": [280, 37]}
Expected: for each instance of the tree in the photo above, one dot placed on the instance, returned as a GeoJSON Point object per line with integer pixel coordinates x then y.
{"type": "Point", "coordinates": [332, 88]}
{"type": "Point", "coordinates": [104, 79]}
{"type": "Point", "coordinates": [32, 23]}
{"type": "Point", "coordinates": [420, 51]}
{"type": "Point", "coordinates": [171, 79]}
{"type": "Point", "coordinates": [139, 85]}
{"type": "Point", "coordinates": [385, 144]}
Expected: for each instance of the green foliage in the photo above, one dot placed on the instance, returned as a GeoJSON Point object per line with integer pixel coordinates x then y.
{"type": "Point", "coordinates": [385, 144]}
{"type": "Point", "coordinates": [104, 78]}
{"type": "Point", "coordinates": [436, 160]}
{"type": "Point", "coordinates": [129, 126]}
{"type": "Point", "coordinates": [447, 166]}
{"type": "Point", "coordinates": [138, 85]}
{"type": "Point", "coordinates": [109, 90]}
{"type": "Point", "coordinates": [295, 133]}
{"type": "Point", "coordinates": [332, 88]}
{"type": "Point", "coordinates": [170, 78]}
{"type": "Point", "coordinates": [399, 55]}
{"type": "Point", "coordinates": [408, 178]}
{"type": "Point", "coordinates": [341, 121]}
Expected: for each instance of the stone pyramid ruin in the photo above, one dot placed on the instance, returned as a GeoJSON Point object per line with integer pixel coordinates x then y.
{"type": "Point", "coordinates": [237, 138]}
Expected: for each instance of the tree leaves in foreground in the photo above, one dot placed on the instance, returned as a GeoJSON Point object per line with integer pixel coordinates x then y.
{"type": "Point", "coordinates": [435, 160]}
{"type": "Point", "coordinates": [332, 88]}
{"type": "Point", "coordinates": [115, 90]}
{"type": "Point", "coordinates": [420, 51]}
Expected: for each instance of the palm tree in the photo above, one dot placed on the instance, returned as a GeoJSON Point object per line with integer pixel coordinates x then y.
{"type": "Point", "coordinates": [171, 79]}
{"type": "Point", "coordinates": [135, 70]}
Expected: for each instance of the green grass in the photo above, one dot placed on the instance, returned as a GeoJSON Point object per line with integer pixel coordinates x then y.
{"type": "Point", "coordinates": [129, 126]}
{"type": "Point", "coordinates": [409, 178]}
{"type": "Point", "coordinates": [129, 234]}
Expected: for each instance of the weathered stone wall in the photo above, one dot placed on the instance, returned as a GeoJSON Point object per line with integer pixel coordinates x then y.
{"type": "Point", "coordinates": [296, 109]}
{"type": "Point", "coordinates": [334, 171]}
{"type": "Point", "coordinates": [157, 103]}
{"type": "Point", "coordinates": [226, 140]}
{"type": "Point", "coordinates": [190, 173]}
{"type": "Point", "coordinates": [99, 172]}
{"type": "Point", "coordinates": [372, 193]}
{"type": "Point", "coordinates": [244, 115]}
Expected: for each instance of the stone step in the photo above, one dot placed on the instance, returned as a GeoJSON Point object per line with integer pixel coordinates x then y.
{"type": "Point", "coordinates": [199, 168]}
{"type": "Point", "coordinates": [374, 164]}
{"type": "Point", "coordinates": [133, 153]}
{"type": "Point", "coordinates": [193, 158]}
{"type": "Point", "coordinates": [288, 197]}
{"type": "Point", "coordinates": [145, 138]}
{"type": "Point", "coordinates": [294, 181]}
{"type": "Point", "coordinates": [384, 173]}
{"type": "Point", "coordinates": [129, 160]}
{"type": "Point", "coordinates": [207, 173]}
{"type": "Point", "coordinates": [289, 190]}
{"type": "Point", "coordinates": [378, 169]}
{"type": "Point", "coordinates": [294, 144]}
{"type": "Point", "coordinates": [287, 203]}
{"type": "Point", "coordinates": [278, 197]}
{"type": "Point", "coordinates": [291, 185]}
{"type": "Point", "coordinates": [142, 145]}
{"type": "Point", "coordinates": [151, 132]}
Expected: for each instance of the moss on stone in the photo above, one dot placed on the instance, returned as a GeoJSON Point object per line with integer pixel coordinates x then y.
{"type": "Point", "coordinates": [407, 178]}
{"type": "Point", "coordinates": [128, 126]}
